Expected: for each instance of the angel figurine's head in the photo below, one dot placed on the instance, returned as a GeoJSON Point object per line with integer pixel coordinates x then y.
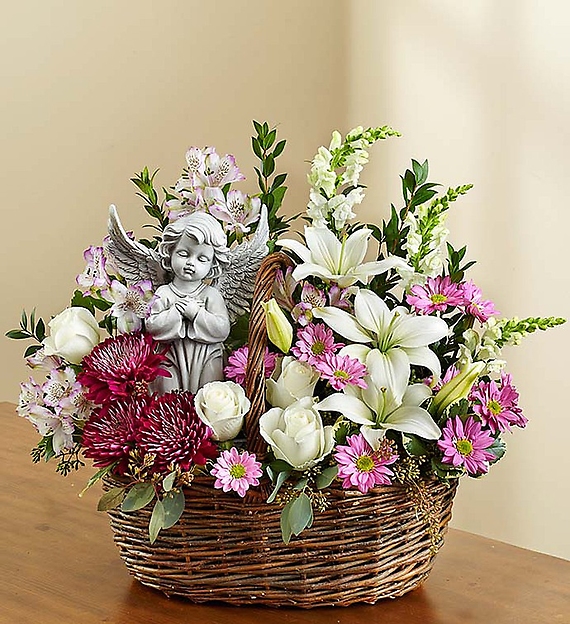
{"type": "Point", "coordinates": [194, 247]}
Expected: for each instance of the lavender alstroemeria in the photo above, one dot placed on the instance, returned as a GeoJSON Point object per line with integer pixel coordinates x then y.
{"type": "Point", "coordinates": [131, 304]}
{"type": "Point", "coordinates": [238, 211]}
{"type": "Point", "coordinates": [94, 277]}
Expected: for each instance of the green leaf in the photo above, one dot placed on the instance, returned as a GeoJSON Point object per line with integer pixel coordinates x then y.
{"type": "Point", "coordinates": [268, 166]}
{"type": "Point", "coordinates": [279, 148]}
{"type": "Point", "coordinates": [111, 499]}
{"type": "Point", "coordinates": [168, 481]}
{"type": "Point", "coordinates": [138, 497]}
{"type": "Point", "coordinates": [278, 181]}
{"type": "Point", "coordinates": [326, 477]}
{"type": "Point", "coordinates": [301, 484]}
{"type": "Point", "coordinates": [286, 530]}
{"type": "Point", "coordinates": [258, 127]}
{"type": "Point", "coordinates": [16, 334]}
{"type": "Point", "coordinates": [270, 139]}
{"type": "Point", "coordinates": [300, 514]}
{"type": "Point", "coordinates": [280, 480]}
{"type": "Point", "coordinates": [24, 320]}
{"type": "Point", "coordinates": [498, 448]}
{"type": "Point", "coordinates": [156, 521]}
{"type": "Point", "coordinates": [173, 504]}
{"type": "Point", "coordinates": [40, 330]}
{"type": "Point", "coordinates": [96, 477]}
{"type": "Point", "coordinates": [413, 445]}
{"type": "Point", "coordinates": [256, 147]}
{"type": "Point", "coordinates": [278, 195]}
{"type": "Point", "coordinates": [80, 301]}
{"type": "Point", "coordinates": [32, 349]}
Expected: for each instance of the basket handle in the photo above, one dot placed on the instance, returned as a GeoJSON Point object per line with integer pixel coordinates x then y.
{"type": "Point", "coordinates": [255, 371]}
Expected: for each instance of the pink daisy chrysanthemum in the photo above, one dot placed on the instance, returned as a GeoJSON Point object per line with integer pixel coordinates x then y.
{"type": "Point", "coordinates": [436, 295]}
{"type": "Point", "coordinates": [121, 366]}
{"type": "Point", "coordinates": [359, 465]}
{"type": "Point", "coordinates": [475, 305]}
{"type": "Point", "coordinates": [497, 404]}
{"type": "Point", "coordinates": [341, 371]}
{"type": "Point", "coordinates": [313, 342]}
{"type": "Point", "coordinates": [111, 432]}
{"type": "Point", "coordinates": [237, 364]}
{"type": "Point", "coordinates": [173, 431]}
{"type": "Point", "coordinates": [466, 444]}
{"type": "Point", "coordinates": [236, 471]}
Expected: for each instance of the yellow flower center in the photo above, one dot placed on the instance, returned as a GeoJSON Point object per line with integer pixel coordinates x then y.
{"type": "Point", "coordinates": [464, 446]}
{"type": "Point", "coordinates": [494, 407]}
{"type": "Point", "coordinates": [318, 347]}
{"type": "Point", "coordinates": [364, 463]}
{"type": "Point", "coordinates": [341, 374]}
{"type": "Point", "coordinates": [438, 298]}
{"type": "Point", "coordinates": [237, 471]}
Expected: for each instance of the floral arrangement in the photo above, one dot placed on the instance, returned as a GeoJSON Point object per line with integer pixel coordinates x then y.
{"type": "Point", "coordinates": [379, 372]}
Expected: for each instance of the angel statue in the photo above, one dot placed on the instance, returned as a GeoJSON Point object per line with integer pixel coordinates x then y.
{"type": "Point", "coordinates": [201, 286]}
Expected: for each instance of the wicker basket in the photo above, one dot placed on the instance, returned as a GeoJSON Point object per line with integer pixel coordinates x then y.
{"type": "Point", "coordinates": [361, 549]}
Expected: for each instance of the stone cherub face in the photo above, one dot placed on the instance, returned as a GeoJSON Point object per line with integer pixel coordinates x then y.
{"type": "Point", "coordinates": [190, 260]}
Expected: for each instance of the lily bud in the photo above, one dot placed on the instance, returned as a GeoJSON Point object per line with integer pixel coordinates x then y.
{"type": "Point", "coordinates": [279, 330]}
{"type": "Point", "coordinates": [456, 388]}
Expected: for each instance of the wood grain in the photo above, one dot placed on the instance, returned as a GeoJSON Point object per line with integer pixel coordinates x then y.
{"type": "Point", "coordinates": [58, 563]}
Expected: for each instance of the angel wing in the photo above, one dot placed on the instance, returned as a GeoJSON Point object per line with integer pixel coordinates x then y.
{"type": "Point", "coordinates": [132, 259]}
{"type": "Point", "coordinates": [238, 279]}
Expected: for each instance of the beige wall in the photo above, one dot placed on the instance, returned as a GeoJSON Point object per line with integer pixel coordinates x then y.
{"type": "Point", "coordinates": [482, 89]}
{"type": "Point", "coordinates": [92, 93]}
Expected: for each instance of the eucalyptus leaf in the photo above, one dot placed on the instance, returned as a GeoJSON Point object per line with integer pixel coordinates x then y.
{"type": "Point", "coordinates": [326, 477]}
{"type": "Point", "coordinates": [281, 478]}
{"type": "Point", "coordinates": [300, 514]}
{"type": "Point", "coordinates": [111, 499]}
{"type": "Point", "coordinates": [138, 497]}
{"type": "Point", "coordinates": [286, 530]}
{"type": "Point", "coordinates": [156, 521]}
{"type": "Point", "coordinates": [168, 481]}
{"type": "Point", "coordinates": [173, 504]}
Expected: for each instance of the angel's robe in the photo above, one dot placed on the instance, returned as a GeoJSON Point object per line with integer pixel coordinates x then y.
{"type": "Point", "coordinates": [195, 355]}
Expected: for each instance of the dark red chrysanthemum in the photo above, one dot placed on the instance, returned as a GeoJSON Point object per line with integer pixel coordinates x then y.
{"type": "Point", "coordinates": [121, 366]}
{"type": "Point", "coordinates": [175, 434]}
{"type": "Point", "coordinates": [112, 430]}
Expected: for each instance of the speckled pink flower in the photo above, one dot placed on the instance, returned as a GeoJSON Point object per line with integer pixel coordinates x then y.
{"type": "Point", "coordinates": [497, 404]}
{"type": "Point", "coordinates": [475, 305]}
{"type": "Point", "coordinates": [237, 364]}
{"type": "Point", "coordinates": [465, 445]}
{"type": "Point", "coordinates": [313, 342]}
{"type": "Point", "coordinates": [341, 371]}
{"type": "Point", "coordinates": [436, 295]}
{"type": "Point", "coordinates": [236, 471]}
{"type": "Point", "coordinates": [362, 467]}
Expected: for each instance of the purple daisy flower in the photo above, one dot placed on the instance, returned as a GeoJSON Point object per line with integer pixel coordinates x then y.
{"type": "Point", "coordinates": [466, 445]}
{"type": "Point", "coordinates": [359, 465]}
{"type": "Point", "coordinates": [475, 305]}
{"type": "Point", "coordinates": [236, 471]}
{"type": "Point", "coordinates": [341, 371]}
{"type": "Point", "coordinates": [497, 404]}
{"type": "Point", "coordinates": [436, 295]}
{"type": "Point", "coordinates": [237, 364]}
{"type": "Point", "coordinates": [314, 341]}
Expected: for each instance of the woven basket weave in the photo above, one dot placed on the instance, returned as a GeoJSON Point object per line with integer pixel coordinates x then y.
{"type": "Point", "coordinates": [361, 549]}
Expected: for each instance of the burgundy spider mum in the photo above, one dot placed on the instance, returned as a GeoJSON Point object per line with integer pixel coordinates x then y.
{"type": "Point", "coordinates": [175, 434]}
{"type": "Point", "coordinates": [111, 432]}
{"type": "Point", "coordinates": [121, 366]}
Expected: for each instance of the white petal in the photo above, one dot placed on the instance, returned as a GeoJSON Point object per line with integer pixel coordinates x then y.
{"type": "Point", "coordinates": [307, 268]}
{"type": "Point", "coordinates": [418, 331]}
{"type": "Point", "coordinates": [373, 436]}
{"type": "Point", "coordinates": [413, 420]}
{"type": "Point", "coordinates": [424, 356]}
{"type": "Point", "coordinates": [325, 247]}
{"type": "Point", "coordinates": [367, 269]}
{"type": "Point", "coordinates": [416, 394]}
{"type": "Point", "coordinates": [371, 311]}
{"type": "Point", "coordinates": [354, 249]}
{"type": "Point", "coordinates": [390, 370]}
{"type": "Point", "coordinates": [351, 407]}
{"type": "Point", "coordinates": [357, 351]}
{"type": "Point", "coordinates": [296, 247]}
{"type": "Point", "coordinates": [343, 323]}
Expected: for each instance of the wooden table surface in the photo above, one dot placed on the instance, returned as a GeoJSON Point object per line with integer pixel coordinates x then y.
{"type": "Point", "coordinates": [58, 564]}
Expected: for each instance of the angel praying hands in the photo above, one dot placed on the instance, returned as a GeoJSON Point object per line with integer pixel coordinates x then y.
{"type": "Point", "coordinates": [201, 286]}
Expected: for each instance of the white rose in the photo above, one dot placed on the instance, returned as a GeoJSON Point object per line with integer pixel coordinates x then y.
{"type": "Point", "coordinates": [296, 434]}
{"type": "Point", "coordinates": [222, 406]}
{"type": "Point", "coordinates": [73, 334]}
{"type": "Point", "coordinates": [296, 380]}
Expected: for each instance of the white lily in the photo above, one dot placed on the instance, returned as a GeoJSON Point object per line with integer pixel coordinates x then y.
{"type": "Point", "coordinates": [387, 403]}
{"type": "Point", "coordinates": [332, 260]}
{"type": "Point", "coordinates": [398, 338]}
